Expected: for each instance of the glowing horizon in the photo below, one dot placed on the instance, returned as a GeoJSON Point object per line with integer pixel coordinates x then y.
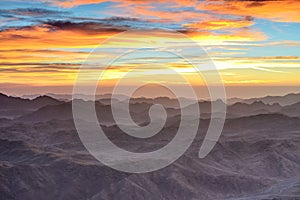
{"type": "Point", "coordinates": [252, 43]}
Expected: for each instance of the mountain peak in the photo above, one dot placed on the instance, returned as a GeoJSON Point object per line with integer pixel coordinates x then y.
{"type": "Point", "coordinates": [3, 95]}
{"type": "Point", "coordinates": [45, 97]}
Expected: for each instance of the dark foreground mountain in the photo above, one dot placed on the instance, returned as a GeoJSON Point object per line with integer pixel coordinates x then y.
{"type": "Point", "coordinates": [256, 157]}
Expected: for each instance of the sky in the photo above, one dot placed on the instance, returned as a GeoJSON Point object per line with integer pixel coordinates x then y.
{"type": "Point", "coordinates": [254, 45]}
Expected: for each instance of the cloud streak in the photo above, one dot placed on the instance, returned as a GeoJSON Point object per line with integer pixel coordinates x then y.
{"type": "Point", "coordinates": [47, 44]}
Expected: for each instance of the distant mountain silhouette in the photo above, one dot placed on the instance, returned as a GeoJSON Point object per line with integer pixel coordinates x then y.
{"type": "Point", "coordinates": [61, 112]}
{"type": "Point", "coordinates": [282, 100]}
{"type": "Point", "coordinates": [68, 97]}
{"type": "Point", "coordinates": [255, 108]}
{"type": "Point", "coordinates": [8, 102]}
{"type": "Point", "coordinates": [12, 107]}
{"type": "Point", "coordinates": [44, 108]}
{"type": "Point", "coordinates": [165, 101]}
{"type": "Point", "coordinates": [291, 110]}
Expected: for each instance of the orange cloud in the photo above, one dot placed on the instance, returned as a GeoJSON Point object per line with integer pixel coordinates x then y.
{"type": "Point", "coordinates": [166, 16]}
{"type": "Point", "coordinates": [49, 56]}
{"type": "Point", "coordinates": [279, 10]}
{"type": "Point", "coordinates": [89, 35]}
{"type": "Point", "coordinates": [74, 3]}
{"type": "Point", "coordinates": [275, 10]}
{"type": "Point", "coordinates": [242, 35]}
{"type": "Point", "coordinates": [48, 36]}
{"type": "Point", "coordinates": [220, 24]}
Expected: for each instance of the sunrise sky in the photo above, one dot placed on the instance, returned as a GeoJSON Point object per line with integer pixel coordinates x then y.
{"type": "Point", "coordinates": [254, 44]}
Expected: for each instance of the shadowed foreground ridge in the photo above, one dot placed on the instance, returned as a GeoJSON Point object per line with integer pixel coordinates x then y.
{"type": "Point", "coordinates": [257, 156]}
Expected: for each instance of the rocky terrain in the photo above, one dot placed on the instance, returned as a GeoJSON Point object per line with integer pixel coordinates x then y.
{"type": "Point", "coordinates": [256, 157]}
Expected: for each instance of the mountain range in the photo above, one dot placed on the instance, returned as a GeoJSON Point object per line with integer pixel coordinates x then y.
{"type": "Point", "coordinates": [44, 108]}
{"type": "Point", "coordinates": [256, 157]}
